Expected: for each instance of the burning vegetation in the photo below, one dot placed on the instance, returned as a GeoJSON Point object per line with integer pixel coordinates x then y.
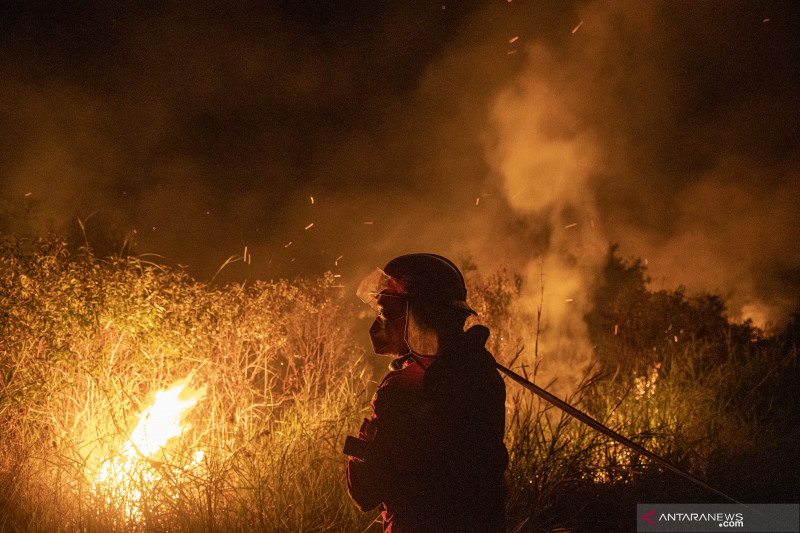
{"type": "Point", "coordinates": [133, 397]}
{"type": "Point", "coordinates": [124, 476]}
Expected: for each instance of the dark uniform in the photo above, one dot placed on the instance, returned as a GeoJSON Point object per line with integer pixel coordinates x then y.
{"type": "Point", "coordinates": [436, 457]}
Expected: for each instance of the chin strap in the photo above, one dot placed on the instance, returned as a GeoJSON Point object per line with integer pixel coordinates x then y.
{"type": "Point", "coordinates": [400, 360]}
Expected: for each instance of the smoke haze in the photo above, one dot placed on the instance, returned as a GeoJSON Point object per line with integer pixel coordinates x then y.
{"type": "Point", "coordinates": [531, 133]}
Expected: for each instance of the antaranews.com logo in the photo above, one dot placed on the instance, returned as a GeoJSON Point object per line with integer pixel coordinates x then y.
{"type": "Point", "coordinates": [695, 517]}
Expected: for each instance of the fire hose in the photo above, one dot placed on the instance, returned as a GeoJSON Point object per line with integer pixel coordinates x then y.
{"type": "Point", "coordinates": [594, 424]}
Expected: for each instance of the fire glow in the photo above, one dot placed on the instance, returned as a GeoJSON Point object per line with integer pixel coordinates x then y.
{"type": "Point", "coordinates": [132, 469]}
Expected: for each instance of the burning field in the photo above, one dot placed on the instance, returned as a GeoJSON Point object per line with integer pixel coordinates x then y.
{"type": "Point", "coordinates": [522, 139]}
{"type": "Point", "coordinates": [134, 398]}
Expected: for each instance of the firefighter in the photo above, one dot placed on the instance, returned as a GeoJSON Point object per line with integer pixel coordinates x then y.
{"type": "Point", "coordinates": [431, 453]}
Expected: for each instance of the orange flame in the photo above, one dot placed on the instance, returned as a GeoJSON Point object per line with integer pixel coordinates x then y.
{"type": "Point", "coordinates": [126, 472]}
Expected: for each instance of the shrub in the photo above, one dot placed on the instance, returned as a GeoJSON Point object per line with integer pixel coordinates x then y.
{"type": "Point", "coordinates": [86, 343]}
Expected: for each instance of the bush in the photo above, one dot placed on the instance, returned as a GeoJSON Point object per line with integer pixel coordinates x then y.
{"type": "Point", "coordinates": [86, 343]}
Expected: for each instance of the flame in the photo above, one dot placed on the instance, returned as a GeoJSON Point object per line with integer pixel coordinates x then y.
{"type": "Point", "coordinates": [129, 471]}
{"type": "Point", "coordinates": [161, 421]}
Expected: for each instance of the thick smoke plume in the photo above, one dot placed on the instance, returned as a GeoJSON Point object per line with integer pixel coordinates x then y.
{"type": "Point", "coordinates": [666, 128]}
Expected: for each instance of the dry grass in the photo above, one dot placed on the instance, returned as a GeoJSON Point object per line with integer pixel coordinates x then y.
{"type": "Point", "coordinates": [87, 342]}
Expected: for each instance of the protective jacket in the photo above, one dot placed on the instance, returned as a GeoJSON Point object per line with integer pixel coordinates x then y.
{"type": "Point", "coordinates": [435, 456]}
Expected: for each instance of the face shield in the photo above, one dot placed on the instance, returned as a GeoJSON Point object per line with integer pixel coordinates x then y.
{"type": "Point", "coordinates": [387, 296]}
{"type": "Point", "coordinates": [379, 284]}
{"type": "Point", "coordinates": [395, 331]}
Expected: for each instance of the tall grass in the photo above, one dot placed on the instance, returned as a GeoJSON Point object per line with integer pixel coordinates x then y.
{"type": "Point", "coordinates": [87, 342]}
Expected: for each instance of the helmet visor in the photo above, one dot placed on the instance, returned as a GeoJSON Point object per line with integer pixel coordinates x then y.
{"type": "Point", "coordinates": [379, 283]}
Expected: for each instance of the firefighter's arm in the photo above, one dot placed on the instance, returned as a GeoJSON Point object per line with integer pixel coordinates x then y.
{"type": "Point", "coordinates": [364, 495]}
{"type": "Point", "coordinates": [373, 453]}
{"type": "Point", "coordinates": [363, 471]}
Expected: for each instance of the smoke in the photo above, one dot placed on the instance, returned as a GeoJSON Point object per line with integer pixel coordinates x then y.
{"type": "Point", "coordinates": [534, 134]}
{"type": "Point", "coordinates": [194, 132]}
{"type": "Point", "coordinates": [665, 128]}
{"type": "Point", "coordinates": [546, 158]}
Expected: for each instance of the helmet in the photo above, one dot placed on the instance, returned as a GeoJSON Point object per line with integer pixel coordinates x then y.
{"type": "Point", "coordinates": [422, 278]}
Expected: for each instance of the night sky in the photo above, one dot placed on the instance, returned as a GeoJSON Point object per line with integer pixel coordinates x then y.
{"type": "Point", "coordinates": [535, 133]}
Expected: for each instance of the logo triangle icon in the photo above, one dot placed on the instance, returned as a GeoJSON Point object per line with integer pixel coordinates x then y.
{"type": "Point", "coordinates": [652, 519]}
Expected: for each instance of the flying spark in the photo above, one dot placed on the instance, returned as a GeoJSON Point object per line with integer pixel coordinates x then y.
{"type": "Point", "coordinates": [578, 26]}
{"type": "Point", "coordinates": [519, 192]}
